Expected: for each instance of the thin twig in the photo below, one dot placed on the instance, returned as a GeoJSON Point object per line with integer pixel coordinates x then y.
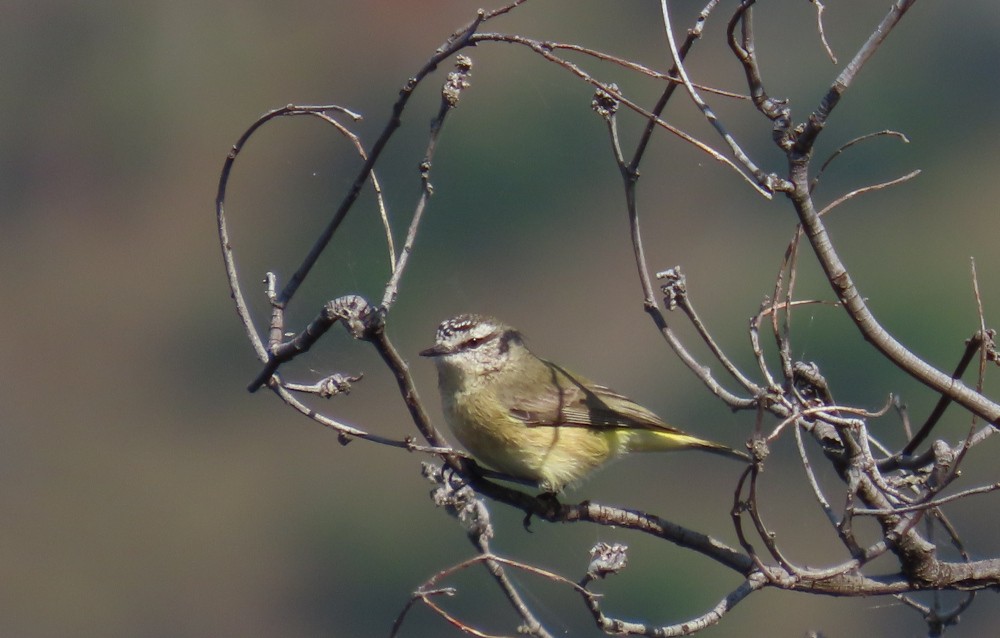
{"type": "Point", "coordinates": [766, 536]}
{"type": "Point", "coordinates": [540, 48]}
{"type": "Point", "coordinates": [642, 69]}
{"type": "Point", "coordinates": [868, 189]}
{"type": "Point", "coordinates": [768, 183]}
{"type": "Point", "coordinates": [844, 147]}
{"type": "Point", "coordinates": [972, 346]}
{"type": "Point", "coordinates": [758, 351]}
{"type": "Point", "coordinates": [693, 35]}
{"type": "Point", "coordinates": [822, 32]}
{"type": "Point", "coordinates": [684, 303]}
{"type": "Point", "coordinates": [782, 337]}
{"type": "Point", "coordinates": [458, 81]}
{"type": "Point", "coordinates": [813, 482]}
{"type": "Point", "coordinates": [817, 121]}
{"type": "Point", "coordinates": [232, 276]}
{"type": "Point", "coordinates": [457, 42]}
{"type": "Point", "coordinates": [745, 50]}
{"type": "Point", "coordinates": [920, 507]}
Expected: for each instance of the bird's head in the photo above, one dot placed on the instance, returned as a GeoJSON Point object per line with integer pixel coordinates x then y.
{"type": "Point", "coordinates": [475, 345]}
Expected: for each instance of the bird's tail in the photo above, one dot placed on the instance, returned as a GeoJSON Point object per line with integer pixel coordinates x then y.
{"type": "Point", "coordinates": [660, 441]}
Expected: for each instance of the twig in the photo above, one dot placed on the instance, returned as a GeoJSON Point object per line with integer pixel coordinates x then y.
{"type": "Point", "coordinates": [972, 346]}
{"type": "Point", "coordinates": [621, 627]}
{"type": "Point", "coordinates": [867, 189]}
{"type": "Point", "coordinates": [502, 10]}
{"type": "Point", "coordinates": [736, 514]}
{"type": "Point", "coordinates": [675, 289]}
{"type": "Point", "coordinates": [817, 121]}
{"type": "Point", "coordinates": [351, 310]}
{"type": "Point", "coordinates": [693, 35]}
{"type": "Point", "coordinates": [232, 276]}
{"type": "Point", "coordinates": [458, 81]}
{"type": "Point", "coordinates": [822, 32]}
{"type": "Point", "coordinates": [642, 69]}
{"type": "Point", "coordinates": [744, 49]}
{"type": "Point", "coordinates": [782, 337]}
{"type": "Point", "coordinates": [768, 183]}
{"type": "Point", "coordinates": [987, 338]}
{"type": "Point", "coordinates": [758, 351]}
{"type": "Point", "coordinates": [766, 536]}
{"type": "Point", "coordinates": [826, 413]}
{"type": "Point", "coordinates": [457, 42]}
{"type": "Point", "coordinates": [923, 506]}
{"type": "Point", "coordinates": [380, 201]}
{"type": "Point", "coordinates": [844, 147]}
{"type": "Point", "coordinates": [813, 483]}
{"type": "Point", "coordinates": [480, 530]}
{"type": "Point", "coordinates": [541, 48]}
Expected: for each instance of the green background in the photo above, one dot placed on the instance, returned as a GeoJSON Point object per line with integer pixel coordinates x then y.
{"type": "Point", "coordinates": [145, 493]}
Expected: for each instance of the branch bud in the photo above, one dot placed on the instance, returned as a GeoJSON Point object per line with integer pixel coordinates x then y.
{"type": "Point", "coordinates": [457, 80]}
{"type": "Point", "coordinates": [606, 559]}
{"type": "Point", "coordinates": [674, 288]}
{"type": "Point", "coordinates": [605, 104]}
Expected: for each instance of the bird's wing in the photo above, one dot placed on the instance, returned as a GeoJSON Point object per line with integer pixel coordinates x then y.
{"type": "Point", "coordinates": [572, 401]}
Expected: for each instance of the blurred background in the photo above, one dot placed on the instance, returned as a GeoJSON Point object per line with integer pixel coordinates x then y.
{"type": "Point", "coordinates": [144, 492]}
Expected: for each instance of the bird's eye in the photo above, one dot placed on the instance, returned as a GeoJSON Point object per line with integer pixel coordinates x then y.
{"type": "Point", "coordinates": [475, 342]}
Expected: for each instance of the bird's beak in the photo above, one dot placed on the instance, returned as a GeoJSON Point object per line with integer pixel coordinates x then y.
{"type": "Point", "coordinates": [435, 351]}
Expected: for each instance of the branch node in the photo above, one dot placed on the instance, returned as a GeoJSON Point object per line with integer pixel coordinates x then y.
{"type": "Point", "coordinates": [810, 383]}
{"type": "Point", "coordinates": [674, 288]}
{"type": "Point", "coordinates": [759, 449]}
{"type": "Point", "coordinates": [331, 386]}
{"type": "Point", "coordinates": [604, 103]}
{"type": "Point", "coordinates": [457, 81]}
{"type": "Point", "coordinates": [606, 559]}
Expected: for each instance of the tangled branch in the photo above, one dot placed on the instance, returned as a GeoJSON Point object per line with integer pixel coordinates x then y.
{"type": "Point", "coordinates": [902, 490]}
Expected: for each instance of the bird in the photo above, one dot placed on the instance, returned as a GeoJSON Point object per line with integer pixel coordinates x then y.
{"type": "Point", "coordinates": [532, 419]}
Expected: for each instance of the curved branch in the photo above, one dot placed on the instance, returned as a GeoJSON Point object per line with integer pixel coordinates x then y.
{"type": "Point", "coordinates": [767, 182]}
{"type": "Point", "coordinates": [852, 301]}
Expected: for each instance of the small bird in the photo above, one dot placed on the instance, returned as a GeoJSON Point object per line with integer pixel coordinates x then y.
{"type": "Point", "coordinates": [530, 418]}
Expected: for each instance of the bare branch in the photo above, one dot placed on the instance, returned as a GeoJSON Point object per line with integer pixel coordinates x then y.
{"type": "Point", "coordinates": [542, 49]}
{"type": "Point", "coordinates": [458, 41]}
{"type": "Point", "coordinates": [675, 289]}
{"type": "Point", "coordinates": [858, 310]}
{"type": "Point", "coordinates": [686, 628]}
{"type": "Point", "coordinates": [867, 189]}
{"type": "Point", "coordinates": [821, 31]}
{"type": "Point", "coordinates": [458, 80]}
{"type": "Point", "coordinates": [768, 183]}
{"type": "Point", "coordinates": [847, 145]}
{"type": "Point", "coordinates": [919, 507]}
{"type": "Point", "coordinates": [817, 120]}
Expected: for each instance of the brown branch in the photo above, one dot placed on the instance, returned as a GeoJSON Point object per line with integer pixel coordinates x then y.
{"type": "Point", "coordinates": [351, 310]}
{"type": "Point", "coordinates": [455, 43]}
{"type": "Point", "coordinates": [228, 257]}
{"type": "Point", "coordinates": [867, 189]}
{"type": "Point", "coordinates": [617, 627]}
{"type": "Point", "coordinates": [458, 81]}
{"type": "Point", "coordinates": [745, 50]}
{"type": "Point", "coordinates": [817, 120]}
{"type": "Point", "coordinates": [542, 49]}
{"type": "Point", "coordinates": [847, 145]}
{"type": "Point", "coordinates": [972, 347]}
{"type": "Point", "coordinates": [857, 309]}
{"type": "Point", "coordinates": [632, 170]}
